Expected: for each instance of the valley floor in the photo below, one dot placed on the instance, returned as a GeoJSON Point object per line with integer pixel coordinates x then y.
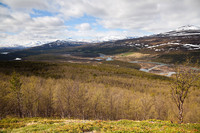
{"type": "Point", "coordinates": [19, 125]}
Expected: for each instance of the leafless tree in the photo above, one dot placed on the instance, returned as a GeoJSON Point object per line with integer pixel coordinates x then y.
{"type": "Point", "coordinates": [183, 83]}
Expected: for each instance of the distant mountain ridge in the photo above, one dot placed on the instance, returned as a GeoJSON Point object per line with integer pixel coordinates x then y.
{"type": "Point", "coordinates": [188, 27]}
{"type": "Point", "coordinates": [62, 43]}
{"type": "Point", "coordinates": [182, 31]}
{"type": "Point", "coordinates": [187, 30]}
{"type": "Point", "coordinates": [186, 38]}
{"type": "Point", "coordinates": [182, 39]}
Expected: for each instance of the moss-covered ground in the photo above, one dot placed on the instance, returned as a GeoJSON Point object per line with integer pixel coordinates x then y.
{"type": "Point", "coordinates": [19, 125]}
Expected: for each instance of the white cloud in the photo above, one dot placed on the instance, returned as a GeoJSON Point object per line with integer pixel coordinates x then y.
{"type": "Point", "coordinates": [151, 15]}
{"type": "Point", "coordinates": [83, 27]}
{"type": "Point", "coordinates": [12, 21]}
{"type": "Point", "coordinates": [19, 28]}
{"type": "Point", "coordinates": [27, 5]}
{"type": "Point", "coordinates": [130, 15]}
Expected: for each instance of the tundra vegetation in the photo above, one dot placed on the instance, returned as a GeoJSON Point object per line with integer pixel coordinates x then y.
{"type": "Point", "coordinates": [97, 92]}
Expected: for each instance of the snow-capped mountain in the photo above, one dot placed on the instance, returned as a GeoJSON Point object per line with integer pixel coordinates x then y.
{"type": "Point", "coordinates": [182, 39]}
{"type": "Point", "coordinates": [185, 38]}
{"type": "Point", "coordinates": [188, 27]}
{"type": "Point", "coordinates": [36, 43]}
{"type": "Point", "coordinates": [182, 31]}
{"type": "Point", "coordinates": [59, 44]}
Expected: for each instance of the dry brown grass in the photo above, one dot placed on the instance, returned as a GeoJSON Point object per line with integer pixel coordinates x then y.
{"type": "Point", "coordinates": [138, 55]}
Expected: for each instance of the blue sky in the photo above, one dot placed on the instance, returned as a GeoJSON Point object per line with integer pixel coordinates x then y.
{"type": "Point", "coordinates": [41, 13]}
{"type": "Point", "coordinates": [31, 22]}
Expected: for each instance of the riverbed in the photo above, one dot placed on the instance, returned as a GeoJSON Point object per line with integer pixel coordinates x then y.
{"type": "Point", "coordinates": [156, 67]}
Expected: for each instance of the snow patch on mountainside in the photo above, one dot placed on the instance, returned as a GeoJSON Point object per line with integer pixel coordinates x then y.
{"type": "Point", "coordinates": [191, 46]}
{"type": "Point", "coordinates": [176, 46]}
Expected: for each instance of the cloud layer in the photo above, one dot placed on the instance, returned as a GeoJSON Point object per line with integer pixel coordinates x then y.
{"type": "Point", "coordinates": [26, 21]}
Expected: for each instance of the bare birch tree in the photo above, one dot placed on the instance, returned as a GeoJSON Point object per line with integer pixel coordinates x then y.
{"type": "Point", "coordinates": [183, 83]}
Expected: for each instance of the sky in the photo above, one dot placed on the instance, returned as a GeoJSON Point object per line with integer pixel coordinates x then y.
{"type": "Point", "coordinates": [32, 22]}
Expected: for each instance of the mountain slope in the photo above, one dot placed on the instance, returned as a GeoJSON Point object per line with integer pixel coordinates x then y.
{"type": "Point", "coordinates": [182, 39]}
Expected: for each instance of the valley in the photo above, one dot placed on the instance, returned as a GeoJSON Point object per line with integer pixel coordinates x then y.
{"type": "Point", "coordinates": [99, 66]}
{"type": "Point", "coordinates": [102, 87]}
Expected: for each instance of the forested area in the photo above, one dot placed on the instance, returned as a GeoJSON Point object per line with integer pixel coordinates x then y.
{"type": "Point", "coordinates": [89, 91]}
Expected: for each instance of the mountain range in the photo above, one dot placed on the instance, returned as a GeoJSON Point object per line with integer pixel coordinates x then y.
{"type": "Point", "coordinates": [183, 39]}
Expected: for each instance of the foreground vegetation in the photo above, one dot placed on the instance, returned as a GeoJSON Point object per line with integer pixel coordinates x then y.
{"type": "Point", "coordinates": [76, 126]}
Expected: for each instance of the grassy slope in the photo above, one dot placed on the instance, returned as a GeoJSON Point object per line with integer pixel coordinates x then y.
{"type": "Point", "coordinates": [75, 126]}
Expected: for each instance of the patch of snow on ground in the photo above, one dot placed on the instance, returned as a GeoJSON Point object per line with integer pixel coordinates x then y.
{"type": "Point", "coordinates": [5, 53]}
{"type": "Point", "coordinates": [18, 59]}
{"type": "Point", "coordinates": [154, 46]}
{"type": "Point", "coordinates": [191, 46]}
